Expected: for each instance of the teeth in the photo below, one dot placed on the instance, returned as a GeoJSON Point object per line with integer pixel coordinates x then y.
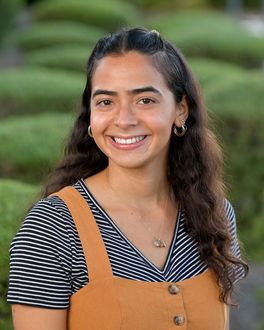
{"type": "Point", "coordinates": [130, 140]}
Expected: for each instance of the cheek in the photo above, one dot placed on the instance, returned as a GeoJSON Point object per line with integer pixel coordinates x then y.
{"type": "Point", "coordinates": [98, 122]}
{"type": "Point", "coordinates": [162, 122]}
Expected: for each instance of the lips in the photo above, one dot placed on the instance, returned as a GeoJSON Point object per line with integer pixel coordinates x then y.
{"type": "Point", "coordinates": [130, 140]}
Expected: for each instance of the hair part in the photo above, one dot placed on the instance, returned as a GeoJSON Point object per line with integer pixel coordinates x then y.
{"type": "Point", "coordinates": [195, 160]}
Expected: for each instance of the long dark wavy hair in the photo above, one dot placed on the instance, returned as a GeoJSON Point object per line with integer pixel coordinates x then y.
{"type": "Point", "coordinates": [195, 160]}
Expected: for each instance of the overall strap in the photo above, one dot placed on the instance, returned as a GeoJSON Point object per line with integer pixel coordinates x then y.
{"type": "Point", "coordinates": [97, 261]}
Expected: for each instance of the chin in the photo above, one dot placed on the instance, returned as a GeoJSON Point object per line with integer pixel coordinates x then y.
{"type": "Point", "coordinates": [128, 164]}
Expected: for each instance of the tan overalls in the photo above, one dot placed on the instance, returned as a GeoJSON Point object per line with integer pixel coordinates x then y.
{"type": "Point", "coordinates": [113, 303]}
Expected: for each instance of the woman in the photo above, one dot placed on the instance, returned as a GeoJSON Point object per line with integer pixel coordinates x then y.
{"type": "Point", "coordinates": [142, 236]}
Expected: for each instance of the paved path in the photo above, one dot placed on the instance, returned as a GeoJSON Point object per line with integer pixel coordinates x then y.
{"type": "Point", "coordinates": [250, 314]}
{"type": "Point", "coordinates": [254, 24]}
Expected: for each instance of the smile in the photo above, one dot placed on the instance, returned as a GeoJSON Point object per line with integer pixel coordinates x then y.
{"type": "Point", "coordinates": [129, 140]}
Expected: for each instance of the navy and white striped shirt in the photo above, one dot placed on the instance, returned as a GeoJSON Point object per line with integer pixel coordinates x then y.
{"type": "Point", "coordinates": [47, 263]}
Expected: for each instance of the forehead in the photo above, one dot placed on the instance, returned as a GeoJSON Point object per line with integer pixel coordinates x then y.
{"type": "Point", "coordinates": [131, 69]}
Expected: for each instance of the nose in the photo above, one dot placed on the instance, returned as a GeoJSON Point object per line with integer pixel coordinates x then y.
{"type": "Point", "coordinates": [125, 116]}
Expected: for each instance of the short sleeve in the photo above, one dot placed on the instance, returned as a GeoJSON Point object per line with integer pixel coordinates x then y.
{"type": "Point", "coordinates": [40, 260]}
{"type": "Point", "coordinates": [235, 249]}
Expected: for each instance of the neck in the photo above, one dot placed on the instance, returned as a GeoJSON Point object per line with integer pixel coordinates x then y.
{"type": "Point", "coordinates": [137, 187]}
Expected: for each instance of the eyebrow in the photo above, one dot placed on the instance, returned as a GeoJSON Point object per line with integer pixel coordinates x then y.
{"type": "Point", "coordinates": [146, 89]}
{"type": "Point", "coordinates": [133, 91]}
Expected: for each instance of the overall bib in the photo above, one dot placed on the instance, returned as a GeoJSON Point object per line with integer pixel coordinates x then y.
{"type": "Point", "coordinates": [113, 303]}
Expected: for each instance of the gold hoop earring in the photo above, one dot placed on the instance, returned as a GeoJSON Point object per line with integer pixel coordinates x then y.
{"type": "Point", "coordinates": [182, 131]}
{"type": "Point", "coordinates": [90, 131]}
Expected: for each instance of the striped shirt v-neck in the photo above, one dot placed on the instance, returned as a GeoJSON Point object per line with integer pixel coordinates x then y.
{"type": "Point", "coordinates": [143, 264]}
{"type": "Point", "coordinates": [47, 263]}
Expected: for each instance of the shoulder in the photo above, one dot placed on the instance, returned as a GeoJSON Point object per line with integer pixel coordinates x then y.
{"type": "Point", "coordinates": [232, 227]}
{"type": "Point", "coordinates": [46, 253]}
{"type": "Point", "coordinates": [230, 214]}
{"type": "Point", "coordinates": [48, 223]}
{"type": "Point", "coordinates": [41, 257]}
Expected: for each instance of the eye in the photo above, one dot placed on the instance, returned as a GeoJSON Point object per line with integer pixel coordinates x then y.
{"type": "Point", "coordinates": [146, 100]}
{"type": "Point", "coordinates": [104, 103]}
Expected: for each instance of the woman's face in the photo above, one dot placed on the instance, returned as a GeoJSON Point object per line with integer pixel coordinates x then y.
{"type": "Point", "coordinates": [132, 111]}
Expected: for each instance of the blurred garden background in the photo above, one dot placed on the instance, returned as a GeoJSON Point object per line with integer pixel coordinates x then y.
{"type": "Point", "coordinates": [44, 46]}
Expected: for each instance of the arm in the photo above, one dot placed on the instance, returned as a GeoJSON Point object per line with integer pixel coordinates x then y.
{"type": "Point", "coordinates": [34, 318]}
{"type": "Point", "coordinates": [40, 268]}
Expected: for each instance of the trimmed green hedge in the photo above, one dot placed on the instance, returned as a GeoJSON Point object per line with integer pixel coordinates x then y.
{"type": "Point", "coordinates": [168, 4]}
{"type": "Point", "coordinates": [54, 33]}
{"type": "Point", "coordinates": [16, 198]}
{"type": "Point", "coordinates": [244, 158]}
{"type": "Point", "coordinates": [106, 14]}
{"type": "Point", "coordinates": [235, 99]}
{"type": "Point", "coordinates": [30, 145]}
{"type": "Point", "coordinates": [8, 12]}
{"type": "Point", "coordinates": [211, 34]}
{"type": "Point", "coordinates": [211, 72]}
{"type": "Point", "coordinates": [229, 89]}
{"type": "Point", "coordinates": [243, 98]}
{"type": "Point", "coordinates": [69, 57]}
{"type": "Point", "coordinates": [35, 90]}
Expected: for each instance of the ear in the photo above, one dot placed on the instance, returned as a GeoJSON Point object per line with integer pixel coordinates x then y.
{"type": "Point", "coordinates": [182, 112]}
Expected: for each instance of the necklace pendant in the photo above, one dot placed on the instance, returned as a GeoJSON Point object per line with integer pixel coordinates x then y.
{"type": "Point", "coordinates": [159, 243]}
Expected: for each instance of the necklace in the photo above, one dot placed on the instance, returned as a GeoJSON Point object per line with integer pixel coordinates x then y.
{"type": "Point", "coordinates": [157, 241]}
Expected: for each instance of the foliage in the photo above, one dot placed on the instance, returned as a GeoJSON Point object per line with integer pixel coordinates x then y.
{"type": "Point", "coordinates": [35, 90]}
{"type": "Point", "coordinates": [168, 4]}
{"type": "Point", "coordinates": [54, 33]}
{"type": "Point", "coordinates": [5, 315]}
{"type": "Point", "coordinates": [61, 39]}
{"type": "Point", "coordinates": [8, 11]}
{"type": "Point", "coordinates": [243, 146]}
{"type": "Point", "coordinates": [69, 57]}
{"type": "Point", "coordinates": [235, 100]}
{"type": "Point", "coordinates": [210, 34]}
{"type": "Point", "coordinates": [40, 144]}
{"type": "Point", "coordinates": [12, 194]}
{"type": "Point", "coordinates": [230, 89]}
{"type": "Point", "coordinates": [245, 4]}
{"type": "Point", "coordinates": [211, 72]}
{"type": "Point", "coordinates": [106, 14]}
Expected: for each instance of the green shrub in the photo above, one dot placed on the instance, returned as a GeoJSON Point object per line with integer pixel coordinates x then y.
{"type": "Point", "coordinates": [229, 89]}
{"type": "Point", "coordinates": [243, 144]}
{"type": "Point", "coordinates": [168, 4]}
{"type": "Point", "coordinates": [54, 33]}
{"type": "Point", "coordinates": [106, 14]}
{"type": "Point", "coordinates": [8, 12]}
{"type": "Point", "coordinates": [235, 98]}
{"type": "Point", "coordinates": [29, 90]}
{"type": "Point", "coordinates": [226, 87]}
{"type": "Point", "coordinates": [15, 199]}
{"type": "Point", "coordinates": [252, 237]}
{"type": "Point", "coordinates": [30, 145]}
{"type": "Point", "coordinates": [210, 34]}
{"type": "Point", "coordinates": [241, 95]}
{"type": "Point", "coordinates": [68, 57]}
{"type": "Point", "coordinates": [211, 72]}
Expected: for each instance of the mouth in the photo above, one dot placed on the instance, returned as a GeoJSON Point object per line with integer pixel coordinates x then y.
{"type": "Point", "coordinates": [130, 140]}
